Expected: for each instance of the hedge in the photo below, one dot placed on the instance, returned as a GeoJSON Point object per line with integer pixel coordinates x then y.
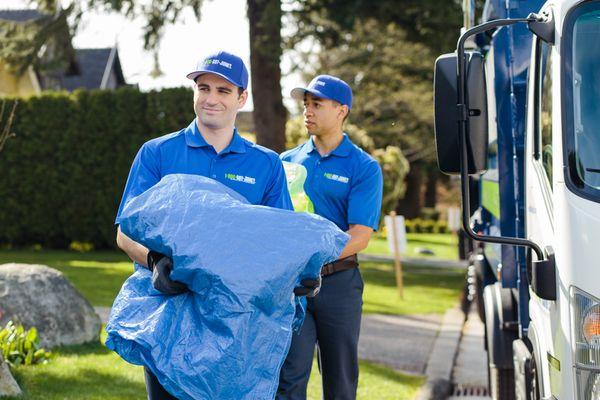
{"type": "Point", "coordinates": [62, 175]}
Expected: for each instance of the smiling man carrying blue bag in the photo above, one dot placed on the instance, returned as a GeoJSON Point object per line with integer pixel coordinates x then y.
{"type": "Point", "coordinates": [210, 146]}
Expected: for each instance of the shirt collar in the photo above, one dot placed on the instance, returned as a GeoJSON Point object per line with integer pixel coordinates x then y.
{"type": "Point", "coordinates": [310, 145]}
{"type": "Point", "coordinates": [193, 138]}
{"type": "Point", "coordinates": [237, 144]}
{"type": "Point", "coordinates": [343, 149]}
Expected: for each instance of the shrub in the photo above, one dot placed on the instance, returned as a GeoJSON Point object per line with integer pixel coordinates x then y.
{"type": "Point", "coordinates": [19, 346]}
{"type": "Point", "coordinates": [418, 225]}
{"type": "Point", "coordinates": [440, 227]}
{"type": "Point", "coordinates": [430, 214]}
{"type": "Point", "coordinates": [427, 226]}
{"type": "Point", "coordinates": [64, 172]}
{"type": "Point", "coordinates": [82, 247]}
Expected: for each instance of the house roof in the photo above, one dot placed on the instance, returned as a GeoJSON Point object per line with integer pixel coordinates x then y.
{"type": "Point", "coordinates": [21, 15]}
{"type": "Point", "coordinates": [94, 66]}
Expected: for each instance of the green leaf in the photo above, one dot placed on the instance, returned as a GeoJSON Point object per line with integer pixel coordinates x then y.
{"type": "Point", "coordinates": [32, 335]}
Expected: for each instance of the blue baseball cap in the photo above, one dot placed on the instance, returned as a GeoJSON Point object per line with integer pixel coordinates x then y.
{"type": "Point", "coordinates": [326, 87]}
{"type": "Point", "coordinates": [226, 65]}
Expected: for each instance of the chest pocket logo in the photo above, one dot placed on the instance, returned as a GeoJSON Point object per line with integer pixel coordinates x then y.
{"type": "Point", "coordinates": [241, 178]}
{"type": "Point", "coordinates": [335, 177]}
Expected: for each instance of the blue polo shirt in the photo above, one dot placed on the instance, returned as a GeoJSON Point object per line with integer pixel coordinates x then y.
{"type": "Point", "coordinates": [345, 186]}
{"type": "Point", "coordinates": [251, 170]}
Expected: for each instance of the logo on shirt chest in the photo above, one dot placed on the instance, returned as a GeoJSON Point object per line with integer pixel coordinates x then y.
{"type": "Point", "coordinates": [241, 178]}
{"type": "Point", "coordinates": [336, 177]}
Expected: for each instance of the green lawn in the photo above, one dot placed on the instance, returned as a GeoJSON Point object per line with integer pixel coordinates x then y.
{"type": "Point", "coordinates": [97, 275]}
{"type": "Point", "coordinates": [374, 382]}
{"type": "Point", "coordinates": [94, 372]}
{"type": "Point", "coordinates": [444, 246]}
{"type": "Point", "coordinates": [426, 290]}
{"type": "Point", "coordinates": [82, 372]}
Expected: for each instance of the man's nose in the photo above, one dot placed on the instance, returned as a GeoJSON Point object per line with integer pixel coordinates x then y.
{"type": "Point", "coordinates": [211, 98]}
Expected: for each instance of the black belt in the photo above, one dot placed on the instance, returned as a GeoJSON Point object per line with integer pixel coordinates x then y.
{"type": "Point", "coordinates": [340, 265]}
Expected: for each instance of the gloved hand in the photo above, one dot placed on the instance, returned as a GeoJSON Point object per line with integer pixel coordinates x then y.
{"type": "Point", "coordinates": [309, 288]}
{"type": "Point", "coordinates": [161, 267]}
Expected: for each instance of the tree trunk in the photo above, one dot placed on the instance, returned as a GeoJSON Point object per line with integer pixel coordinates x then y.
{"type": "Point", "coordinates": [410, 205]}
{"type": "Point", "coordinates": [431, 188]}
{"type": "Point", "coordinates": [264, 17]}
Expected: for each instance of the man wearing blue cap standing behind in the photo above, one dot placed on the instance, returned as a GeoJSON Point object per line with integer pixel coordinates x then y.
{"type": "Point", "coordinates": [345, 185]}
{"type": "Point", "coordinates": [210, 146]}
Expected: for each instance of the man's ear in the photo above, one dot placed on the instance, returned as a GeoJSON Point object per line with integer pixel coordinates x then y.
{"type": "Point", "coordinates": [243, 98]}
{"type": "Point", "coordinates": [344, 111]}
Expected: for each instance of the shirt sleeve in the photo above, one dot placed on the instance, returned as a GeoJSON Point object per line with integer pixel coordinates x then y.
{"type": "Point", "coordinates": [144, 173]}
{"type": "Point", "coordinates": [364, 201]}
{"type": "Point", "coordinates": [277, 194]}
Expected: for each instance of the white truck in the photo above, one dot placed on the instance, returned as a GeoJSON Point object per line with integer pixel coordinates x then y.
{"type": "Point", "coordinates": [517, 115]}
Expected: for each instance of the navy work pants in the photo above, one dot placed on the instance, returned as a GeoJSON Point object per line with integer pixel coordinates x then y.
{"type": "Point", "coordinates": [154, 388]}
{"type": "Point", "coordinates": [333, 323]}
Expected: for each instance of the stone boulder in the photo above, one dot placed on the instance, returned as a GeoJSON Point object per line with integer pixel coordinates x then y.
{"type": "Point", "coordinates": [8, 385]}
{"type": "Point", "coordinates": [39, 296]}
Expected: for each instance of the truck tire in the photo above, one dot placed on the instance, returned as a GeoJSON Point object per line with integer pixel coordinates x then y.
{"type": "Point", "coordinates": [500, 315]}
{"type": "Point", "coordinates": [502, 385]}
{"type": "Point", "coordinates": [479, 293]}
{"type": "Point", "coordinates": [536, 371]}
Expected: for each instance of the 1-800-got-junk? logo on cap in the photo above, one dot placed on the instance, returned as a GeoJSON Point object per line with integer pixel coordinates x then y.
{"type": "Point", "coordinates": [212, 61]}
{"type": "Point", "coordinates": [326, 87]}
{"type": "Point", "coordinates": [226, 65]}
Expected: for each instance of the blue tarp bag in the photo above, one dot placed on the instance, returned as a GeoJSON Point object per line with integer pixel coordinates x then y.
{"type": "Point", "coordinates": [228, 337]}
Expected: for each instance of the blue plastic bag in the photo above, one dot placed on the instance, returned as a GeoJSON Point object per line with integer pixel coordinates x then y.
{"type": "Point", "coordinates": [229, 336]}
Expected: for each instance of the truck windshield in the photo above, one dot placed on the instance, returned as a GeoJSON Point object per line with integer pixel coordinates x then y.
{"type": "Point", "coordinates": [582, 99]}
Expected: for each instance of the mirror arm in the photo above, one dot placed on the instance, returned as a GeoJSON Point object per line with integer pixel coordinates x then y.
{"type": "Point", "coordinates": [463, 115]}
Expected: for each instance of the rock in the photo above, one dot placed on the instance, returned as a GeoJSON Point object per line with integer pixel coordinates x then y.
{"type": "Point", "coordinates": [8, 385]}
{"type": "Point", "coordinates": [39, 296]}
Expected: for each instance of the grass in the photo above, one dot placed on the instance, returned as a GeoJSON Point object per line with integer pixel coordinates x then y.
{"type": "Point", "coordinates": [97, 275]}
{"type": "Point", "coordinates": [444, 246]}
{"type": "Point", "coordinates": [374, 382]}
{"type": "Point", "coordinates": [86, 372]}
{"type": "Point", "coordinates": [92, 372]}
{"type": "Point", "coordinates": [426, 290]}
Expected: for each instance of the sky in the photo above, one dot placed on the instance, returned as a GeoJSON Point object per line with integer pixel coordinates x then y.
{"type": "Point", "coordinates": [223, 26]}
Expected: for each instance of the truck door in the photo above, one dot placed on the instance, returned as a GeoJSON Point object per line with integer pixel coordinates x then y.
{"type": "Point", "coordinates": [543, 149]}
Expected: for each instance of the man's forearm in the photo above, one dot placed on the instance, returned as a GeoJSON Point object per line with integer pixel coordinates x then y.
{"type": "Point", "coordinates": [133, 249]}
{"type": "Point", "coordinates": [359, 239]}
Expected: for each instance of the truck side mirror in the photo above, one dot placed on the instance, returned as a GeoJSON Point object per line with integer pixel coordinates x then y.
{"type": "Point", "coordinates": [542, 275]}
{"type": "Point", "coordinates": [447, 114]}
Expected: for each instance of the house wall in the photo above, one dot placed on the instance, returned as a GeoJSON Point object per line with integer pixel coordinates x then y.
{"type": "Point", "coordinates": [11, 85]}
{"type": "Point", "coordinates": [111, 82]}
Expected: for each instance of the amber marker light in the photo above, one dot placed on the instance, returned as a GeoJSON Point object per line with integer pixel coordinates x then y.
{"type": "Point", "coordinates": [590, 326]}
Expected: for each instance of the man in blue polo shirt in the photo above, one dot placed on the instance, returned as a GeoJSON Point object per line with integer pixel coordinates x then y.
{"type": "Point", "coordinates": [210, 146]}
{"type": "Point", "coordinates": [345, 185]}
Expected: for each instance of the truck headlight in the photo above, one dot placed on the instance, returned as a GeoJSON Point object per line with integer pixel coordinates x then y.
{"type": "Point", "coordinates": [585, 335]}
{"type": "Point", "coordinates": [590, 326]}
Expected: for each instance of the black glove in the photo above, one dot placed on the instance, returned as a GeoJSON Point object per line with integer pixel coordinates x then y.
{"type": "Point", "coordinates": [309, 288]}
{"type": "Point", "coordinates": [161, 267]}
